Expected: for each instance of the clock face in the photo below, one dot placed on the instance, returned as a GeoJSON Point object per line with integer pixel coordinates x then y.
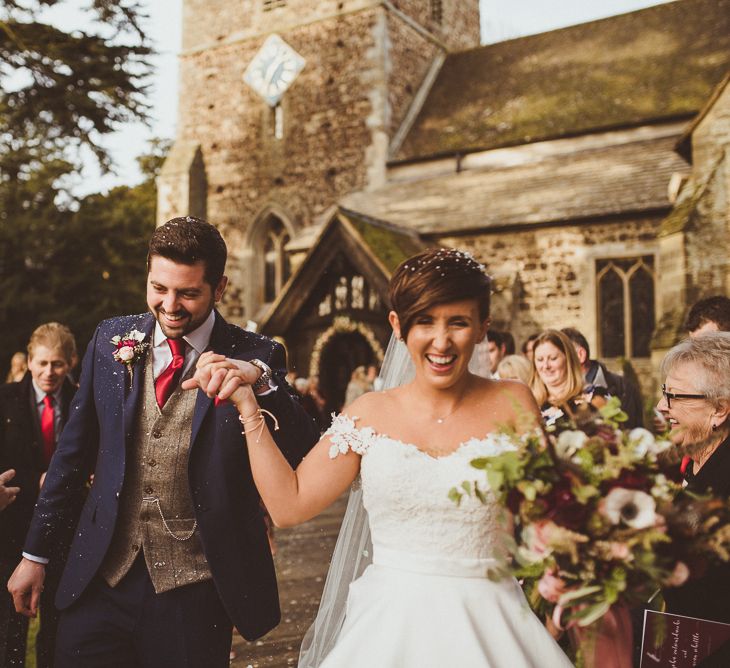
{"type": "Point", "coordinates": [273, 69]}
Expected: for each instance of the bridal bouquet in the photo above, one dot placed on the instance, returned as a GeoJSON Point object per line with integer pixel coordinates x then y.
{"type": "Point", "coordinates": [599, 518]}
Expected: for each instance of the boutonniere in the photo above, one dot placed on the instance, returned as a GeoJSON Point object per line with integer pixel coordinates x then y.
{"type": "Point", "coordinates": [130, 347]}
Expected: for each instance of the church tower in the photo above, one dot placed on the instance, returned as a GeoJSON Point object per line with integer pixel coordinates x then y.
{"type": "Point", "coordinates": [287, 105]}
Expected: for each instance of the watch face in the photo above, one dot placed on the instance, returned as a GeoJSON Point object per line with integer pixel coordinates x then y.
{"type": "Point", "coordinates": [273, 69]}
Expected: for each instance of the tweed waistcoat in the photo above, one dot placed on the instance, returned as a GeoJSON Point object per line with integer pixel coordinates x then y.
{"type": "Point", "coordinates": [156, 483]}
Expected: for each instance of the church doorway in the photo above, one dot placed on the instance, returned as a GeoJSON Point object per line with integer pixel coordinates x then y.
{"type": "Point", "coordinates": [341, 355]}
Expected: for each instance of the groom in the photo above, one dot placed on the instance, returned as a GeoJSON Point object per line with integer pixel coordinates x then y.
{"type": "Point", "coordinates": [171, 547]}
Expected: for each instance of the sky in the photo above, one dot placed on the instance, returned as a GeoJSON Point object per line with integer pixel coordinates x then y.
{"type": "Point", "coordinates": [501, 19]}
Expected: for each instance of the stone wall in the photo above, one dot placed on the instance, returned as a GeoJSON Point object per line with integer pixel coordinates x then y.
{"type": "Point", "coordinates": [711, 137]}
{"type": "Point", "coordinates": [709, 245]}
{"type": "Point", "coordinates": [364, 61]}
{"type": "Point", "coordinates": [410, 54]}
{"type": "Point", "coordinates": [458, 28]}
{"type": "Point", "coordinates": [545, 277]}
{"type": "Point", "coordinates": [210, 22]}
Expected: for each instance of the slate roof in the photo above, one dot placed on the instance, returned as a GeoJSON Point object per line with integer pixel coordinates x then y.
{"type": "Point", "coordinates": [655, 64]}
{"type": "Point", "coordinates": [591, 183]}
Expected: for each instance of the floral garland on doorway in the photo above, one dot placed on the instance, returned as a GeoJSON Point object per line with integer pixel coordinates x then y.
{"type": "Point", "coordinates": [342, 324]}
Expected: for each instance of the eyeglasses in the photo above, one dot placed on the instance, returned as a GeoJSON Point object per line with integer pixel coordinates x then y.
{"type": "Point", "coordinates": [673, 395]}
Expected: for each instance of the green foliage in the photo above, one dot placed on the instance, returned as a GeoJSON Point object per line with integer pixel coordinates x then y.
{"type": "Point", "coordinates": [60, 92]}
{"type": "Point", "coordinates": [75, 267]}
{"type": "Point", "coordinates": [66, 89]}
{"type": "Point", "coordinates": [612, 413]}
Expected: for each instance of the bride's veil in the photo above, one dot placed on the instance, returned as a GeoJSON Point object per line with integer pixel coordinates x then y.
{"type": "Point", "coordinates": [354, 550]}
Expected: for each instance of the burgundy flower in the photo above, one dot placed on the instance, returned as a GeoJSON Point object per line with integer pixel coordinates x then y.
{"type": "Point", "coordinates": [563, 508]}
{"type": "Point", "coordinates": [630, 480]}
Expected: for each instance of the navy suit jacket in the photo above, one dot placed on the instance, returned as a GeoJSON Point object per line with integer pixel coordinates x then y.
{"type": "Point", "coordinates": [224, 497]}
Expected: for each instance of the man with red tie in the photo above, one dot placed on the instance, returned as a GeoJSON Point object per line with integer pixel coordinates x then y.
{"type": "Point", "coordinates": [33, 412]}
{"type": "Point", "coordinates": [171, 549]}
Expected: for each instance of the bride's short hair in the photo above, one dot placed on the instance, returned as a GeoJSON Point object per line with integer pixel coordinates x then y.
{"type": "Point", "coordinates": [437, 276]}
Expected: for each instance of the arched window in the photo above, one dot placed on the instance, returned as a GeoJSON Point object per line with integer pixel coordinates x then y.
{"type": "Point", "coordinates": [276, 261]}
{"type": "Point", "coordinates": [625, 306]}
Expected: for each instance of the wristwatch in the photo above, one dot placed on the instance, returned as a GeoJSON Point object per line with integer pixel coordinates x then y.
{"type": "Point", "coordinates": [264, 378]}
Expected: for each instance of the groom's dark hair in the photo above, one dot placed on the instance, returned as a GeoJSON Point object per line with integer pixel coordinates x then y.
{"type": "Point", "coordinates": [188, 240]}
{"type": "Point", "coordinates": [437, 276]}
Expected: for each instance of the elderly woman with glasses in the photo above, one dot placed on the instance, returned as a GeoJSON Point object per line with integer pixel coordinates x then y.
{"type": "Point", "coordinates": [696, 404]}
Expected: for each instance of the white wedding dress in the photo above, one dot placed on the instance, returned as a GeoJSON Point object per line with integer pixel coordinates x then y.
{"type": "Point", "coordinates": [425, 601]}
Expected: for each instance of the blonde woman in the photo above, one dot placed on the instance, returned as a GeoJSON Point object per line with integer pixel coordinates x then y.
{"type": "Point", "coordinates": [557, 378]}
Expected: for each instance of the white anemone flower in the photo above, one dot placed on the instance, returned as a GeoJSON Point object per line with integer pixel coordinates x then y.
{"type": "Point", "coordinates": [642, 440]}
{"type": "Point", "coordinates": [569, 442]}
{"type": "Point", "coordinates": [630, 506]}
{"type": "Point", "coordinates": [645, 443]}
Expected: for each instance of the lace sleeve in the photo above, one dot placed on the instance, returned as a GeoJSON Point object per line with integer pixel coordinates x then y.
{"type": "Point", "coordinates": [346, 436]}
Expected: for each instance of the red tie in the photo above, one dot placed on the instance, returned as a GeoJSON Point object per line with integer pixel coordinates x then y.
{"type": "Point", "coordinates": [48, 428]}
{"type": "Point", "coordinates": [167, 381]}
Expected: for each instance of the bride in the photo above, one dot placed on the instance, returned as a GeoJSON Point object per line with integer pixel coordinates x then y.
{"type": "Point", "coordinates": [426, 600]}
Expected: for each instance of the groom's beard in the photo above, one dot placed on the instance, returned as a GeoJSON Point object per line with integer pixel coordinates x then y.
{"type": "Point", "coordinates": [184, 323]}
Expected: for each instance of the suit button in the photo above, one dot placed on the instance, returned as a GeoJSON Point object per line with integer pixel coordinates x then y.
{"type": "Point", "coordinates": [152, 462]}
{"type": "Point", "coordinates": [148, 490]}
{"type": "Point", "coordinates": [135, 547]}
{"type": "Point", "coordinates": [157, 433]}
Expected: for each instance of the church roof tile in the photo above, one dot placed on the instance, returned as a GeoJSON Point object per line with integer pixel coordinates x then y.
{"type": "Point", "coordinates": [647, 66]}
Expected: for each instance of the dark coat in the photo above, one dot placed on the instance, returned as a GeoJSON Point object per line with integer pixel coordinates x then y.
{"type": "Point", "coordinates": [626, 391]}
{"type": "Point", "coordinates": [224, 497]}
{"type": "Point", "coordinates": [708, 597]}
{"type": "Point", "coordinates": [21, 448]}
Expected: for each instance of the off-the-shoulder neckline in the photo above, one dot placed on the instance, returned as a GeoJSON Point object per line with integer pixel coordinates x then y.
{"type": "Point", "coordinates": [474, 440]}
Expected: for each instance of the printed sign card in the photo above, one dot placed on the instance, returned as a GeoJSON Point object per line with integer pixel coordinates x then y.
{"type": "Point", "coordinates": [675, 641]}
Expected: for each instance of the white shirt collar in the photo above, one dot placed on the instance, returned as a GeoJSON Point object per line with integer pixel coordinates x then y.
{"type": "Point", "coordinates": [198, 339]}
{"type": "Point", "coordinates": [40, 394]}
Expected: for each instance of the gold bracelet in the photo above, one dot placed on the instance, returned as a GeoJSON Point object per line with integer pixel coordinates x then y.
{"type": "Point", "coordinates": [258, 418]}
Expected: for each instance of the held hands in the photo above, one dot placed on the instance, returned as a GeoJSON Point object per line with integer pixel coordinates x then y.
{"type": "Point", "coordinates": [224, 378]}
{"type": "Point", "coordinates": [7, 494]}
{"type": "Point", "coordinates": [25, 586]}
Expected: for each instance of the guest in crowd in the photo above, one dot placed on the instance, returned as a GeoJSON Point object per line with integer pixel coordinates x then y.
{"type": "Point", "coordinates": [709, 315]}
{"type": "Point", "coordinates": [497, 350]}
{"type": "Point", "coordinates": [557, 378]}
{"type": "Point", "coordinates": [18, 367]}
{"type": "Point", "coordinates": [696, 403]}
{"type": "Point", "coordinates": [32, 414]}
{"type": "Point", "coordinates": [529, 345]}
{"type": "Point", "coordinates": [360, 383]}
{"type": "Point", "coordinates": [373, 376]}
{"type": "Point", "coordinates": [597, 376]}
{"type": "Point", "coordinates": [318, 404]}
{"type": "Point", "coordinates": [515, 367]}
{"type": "Point", "coordinates": [301, 385]}
{"type": "Point", "coordinates": [509, 343]}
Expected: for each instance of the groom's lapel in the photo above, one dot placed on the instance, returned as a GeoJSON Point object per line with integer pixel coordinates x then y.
{"type": "Point", "coordinates": [219, 341]}
{"type": "Point", "coordinates": [131, 395]}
